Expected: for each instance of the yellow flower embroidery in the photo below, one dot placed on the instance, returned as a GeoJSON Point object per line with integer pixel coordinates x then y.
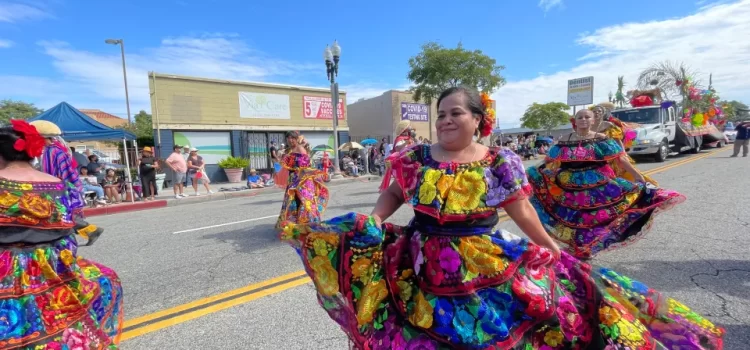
{"type": "Point", "coordinates": [373, 294]}
{"type": "Point", "coordinates": [565, 177]}
{"type": "Point", "coordinates": [609, 315]}
{"type": "Point", "coordinates": [428, 191]}
{"type": "Point", "coordinates": [553, 338]}
{"type": "Point", "coordinates": [47, 270]}
{"type": "Point", "coordinates": [444, 185]}
{"type": "Point", "coordinates": [7, 199]}
{"type": "Point", "coordinates": [466, 192]}
{"type": "Point", "coordinates": [321, 247]}
{"type": "Point", "coordinates": [27, 187]}
{"type": "Point", "coordinates": [404, 290]}
{"type": "Point", "coordinates": [362, 268]}
{"type": "Point", "coordinates": [325, 276]}
{"type": "Point", "coordinates": [25, 280]}
{"type": "Point", "coordinates": [331, 238]}
{"type": "Point", "coordinates": [564, 233]}
{"type": "Point", "coordinates": [630, 331]}
{"type": "Point", "coordinates": [421, 316]}
{"type": "Point", "coordinates": [66, 256]}
{"type": "Point", "coordinates": [481, 256]}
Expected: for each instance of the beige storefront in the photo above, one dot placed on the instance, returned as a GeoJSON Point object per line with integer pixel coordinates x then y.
{"type": "Point", "coordinates": [224, 118]}
{"type": "Point", "coordinates": [377, 117]}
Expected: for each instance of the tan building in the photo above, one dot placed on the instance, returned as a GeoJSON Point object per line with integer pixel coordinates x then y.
{"type": "Point", "coordinates": [377, 117]}
{"type": "Point", "coordinates": [109, 149]}
{"type": "Point", "coordinates": [222, 117]}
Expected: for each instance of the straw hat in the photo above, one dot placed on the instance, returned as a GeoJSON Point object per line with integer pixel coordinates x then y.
{"type": "Point", "coordinates": [402, 126]}
{"type": "Point", "coordinates": [46, 129]}
{"type": "Point", "coordinates": [607, 105]}
{"type": "Point", "coordinates": [147, 149]}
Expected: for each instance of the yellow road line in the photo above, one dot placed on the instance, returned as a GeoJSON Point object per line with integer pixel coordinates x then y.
{"type": "Point", "coordinates": [204, 301]}
{"type": "Point", "coordinates": [182, 313]}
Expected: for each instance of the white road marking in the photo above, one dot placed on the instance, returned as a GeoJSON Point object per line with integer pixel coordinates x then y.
{"type": "Point", "coordinates": [225, 224]}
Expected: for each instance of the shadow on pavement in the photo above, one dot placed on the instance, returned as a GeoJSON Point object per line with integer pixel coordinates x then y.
{"type": "Point", "coordinates": [254, 239]}
{"type": "Point", "coordinates": [727, 277]}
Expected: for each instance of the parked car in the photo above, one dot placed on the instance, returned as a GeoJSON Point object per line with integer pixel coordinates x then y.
{"type": "Point", "coordinates": [729, 132]}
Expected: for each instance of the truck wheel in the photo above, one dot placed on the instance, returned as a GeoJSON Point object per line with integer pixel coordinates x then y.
{"type": "Point", "coordinates": [663, 153]}
{"type": "Point", "coordinates": [696, 150]}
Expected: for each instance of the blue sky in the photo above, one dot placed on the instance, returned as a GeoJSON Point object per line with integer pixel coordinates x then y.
{"type": "Point", "coordinates": [54, 50]}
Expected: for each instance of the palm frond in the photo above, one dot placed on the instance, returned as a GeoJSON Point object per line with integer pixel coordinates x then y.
{"type": "Point", "coordinates": [665, 75]}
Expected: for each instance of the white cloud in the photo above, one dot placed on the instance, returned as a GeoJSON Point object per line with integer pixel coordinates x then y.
{"type": "Point", "coordinates": [547, 5]}
{"type": "Point", "coordinates": [13, 12]}
{"type": "Point", "coordinates": [94, 80]}
{"type": "Point", "coordinates": [4, 44]}
{"type": "Point", "coordinates": [707, 41]}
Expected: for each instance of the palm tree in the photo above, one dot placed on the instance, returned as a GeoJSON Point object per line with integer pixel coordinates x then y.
{"type": "Point", "coordinates": [619, 96]}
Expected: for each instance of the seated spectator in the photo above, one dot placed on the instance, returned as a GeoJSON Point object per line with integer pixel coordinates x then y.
{"type": "Point", "coordinates": [350, 167]}
{"type": "Point", "coordinates": [112, 186]}
{"type": "Point", "coordinates": [90, 184]}
{"type": "Point", "coordinates": [254, 180]}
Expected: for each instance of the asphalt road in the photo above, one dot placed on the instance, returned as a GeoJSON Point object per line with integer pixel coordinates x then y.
{"type": "Point", "coordinates": [169, 257]}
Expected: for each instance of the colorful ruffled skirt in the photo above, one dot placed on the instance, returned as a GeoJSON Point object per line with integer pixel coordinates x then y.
{"type": "Point", "coordinates": [305, 198]}
{"type": "Point", "coordinates": [387, 290]}
{"type": "Point", "coordinates": [590, 209]}
{"type": "Point", "coordinates": [52, 299]}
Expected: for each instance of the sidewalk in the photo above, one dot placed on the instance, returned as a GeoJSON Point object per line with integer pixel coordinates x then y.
{"type": "Point", "coordinates": [222, 191]}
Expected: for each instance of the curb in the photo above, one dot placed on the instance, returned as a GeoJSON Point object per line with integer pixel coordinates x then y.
{"type": "Point", "coordinates": [218, 196]}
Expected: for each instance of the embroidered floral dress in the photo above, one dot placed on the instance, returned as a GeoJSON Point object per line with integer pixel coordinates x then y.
{"type": "Point", "coordinates": [585, 204]}
{"type": "Point", "coordinates": [448, 280]}
{"type": "Point", "coordinates": [50, 298]}
{"type": "Point", "coordinates": [619, 131]}
{"type": "Point", "coordinates": [306, 195]}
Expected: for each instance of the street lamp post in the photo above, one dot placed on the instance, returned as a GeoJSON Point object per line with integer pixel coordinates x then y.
{"type": "Point", "coordinates": [332, 55]}
{"type": "Point", "coordinates": [124, 72]}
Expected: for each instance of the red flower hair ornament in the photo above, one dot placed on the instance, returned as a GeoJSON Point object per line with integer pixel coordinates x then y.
{"type": "Point", "coordinates": [32, 142]}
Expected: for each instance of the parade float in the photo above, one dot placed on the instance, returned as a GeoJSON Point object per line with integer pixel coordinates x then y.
{"type": "Point", "coordinates": [663, 126]}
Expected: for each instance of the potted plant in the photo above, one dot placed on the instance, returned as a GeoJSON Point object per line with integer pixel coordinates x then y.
{"type": "Point", "coordinates": [233, 167]}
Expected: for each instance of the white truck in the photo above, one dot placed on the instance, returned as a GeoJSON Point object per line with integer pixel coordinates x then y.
{"type": "Point", "coordinates": [662, 132]}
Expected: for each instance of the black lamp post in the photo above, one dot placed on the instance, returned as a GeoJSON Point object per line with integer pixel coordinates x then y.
{"type": "Point", "coordinates": [331, 55]}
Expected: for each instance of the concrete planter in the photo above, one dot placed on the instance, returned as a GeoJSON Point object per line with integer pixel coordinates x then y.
{"type": "Point", "coordinates": [234, 175]}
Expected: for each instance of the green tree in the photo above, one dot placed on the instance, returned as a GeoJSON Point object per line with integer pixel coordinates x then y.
{"type": "Point", "coordinates": [10, 109]}
{"type": "Point", "coordinates": [437, 68]}
{"type": "Point", "coordinates": [735, 110]}
{"type": "Point", "coordinates": [545, 116]}
{"type": "Point", "coordinates": [142, 125]}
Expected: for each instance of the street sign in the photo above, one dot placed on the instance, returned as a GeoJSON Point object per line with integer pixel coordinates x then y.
{"type": "Point", "coordinates": [581, 91]}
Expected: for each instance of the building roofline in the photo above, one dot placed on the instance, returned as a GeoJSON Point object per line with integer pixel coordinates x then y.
{"type": "Point", "coordinates": [240, 82]}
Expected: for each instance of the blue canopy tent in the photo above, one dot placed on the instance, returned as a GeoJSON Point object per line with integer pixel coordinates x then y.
{"type": "Point", "coordinates": [80, 127]}
{"type": "Point", "coordinates": [76, 126]}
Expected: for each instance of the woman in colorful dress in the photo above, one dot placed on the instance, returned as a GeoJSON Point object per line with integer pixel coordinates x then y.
{"type": "Point", "coordinates": [448, 280]}
{"type": "Point", "coordinates": [50, 298]}
{"type": "Point", "coordinates": [306, 195]}
{"type": "Point", "coordinates": [404, 139]}
{"type": "Point", "coordinates": [583, 202]}
{"type": "Point", "coordinates": [615, 129]}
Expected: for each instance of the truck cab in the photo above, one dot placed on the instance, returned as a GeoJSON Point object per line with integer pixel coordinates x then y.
{"type": "Point", "coordinates": [659, 131]}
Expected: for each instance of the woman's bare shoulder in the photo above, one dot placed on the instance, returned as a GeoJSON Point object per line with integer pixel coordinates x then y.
{"type": "Point", "coordinates": [27, 175]}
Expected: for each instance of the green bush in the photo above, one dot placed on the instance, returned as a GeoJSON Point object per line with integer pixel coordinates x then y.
{"type": "Point", "coordinates": [234, 163]}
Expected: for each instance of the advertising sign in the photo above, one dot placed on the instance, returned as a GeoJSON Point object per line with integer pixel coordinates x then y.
{"type": "Point", "coordinates": [415, 112]}
{"type": "Point", "coordinates": [581, 91]}
{"type": "Point", "coordinates": [316, 107]}
{"type": "Point", "coordinates": [264, 106]}
{"type": "Point", "coordinates": [213, 145]}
